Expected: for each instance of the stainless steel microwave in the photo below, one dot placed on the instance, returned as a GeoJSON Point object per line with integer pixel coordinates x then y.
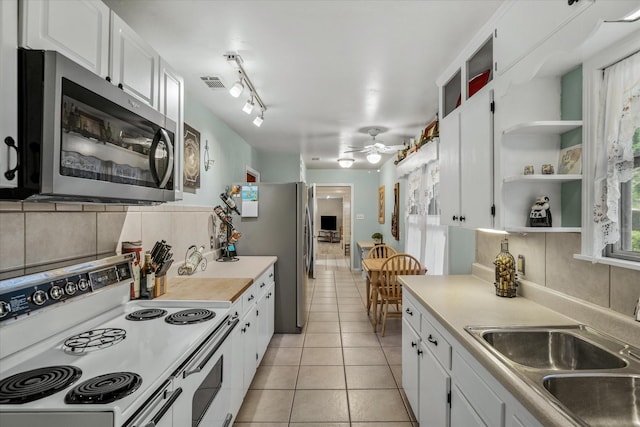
{"type": "Point", "coordinates": [83, 139]}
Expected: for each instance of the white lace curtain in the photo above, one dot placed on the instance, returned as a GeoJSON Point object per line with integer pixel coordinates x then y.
{"type": "Point", "coordinates": [619, 117]}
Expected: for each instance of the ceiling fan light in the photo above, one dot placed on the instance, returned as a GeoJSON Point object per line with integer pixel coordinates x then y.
{"type": "Point", "coordinates": [236, 89]}
{"type": "Point", "coordinates": [258, 120]}
{"type": "Point", "coordinates": [373, 157]}
{"type": "Point", "coordinates": [345, 162]}
{"type": "Point", "coordinates": [248, 106]}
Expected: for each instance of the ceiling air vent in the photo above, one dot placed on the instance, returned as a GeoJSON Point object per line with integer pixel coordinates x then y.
{"type": "Point", "coordinates": [213, 82]}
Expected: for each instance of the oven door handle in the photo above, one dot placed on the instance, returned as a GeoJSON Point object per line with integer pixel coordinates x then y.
{"type": "Point", "coordinates": [227, 330]}
{"type": "Point", "coordinates": [157, 417]}
{"type": "Point", "coordinates": [161, 135]}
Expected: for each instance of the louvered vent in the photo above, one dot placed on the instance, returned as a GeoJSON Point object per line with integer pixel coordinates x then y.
{"type": "Point", "coordinates": [213, 82]}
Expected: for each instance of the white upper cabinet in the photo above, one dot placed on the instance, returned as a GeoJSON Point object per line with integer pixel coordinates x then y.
{"type": "Point", "coordinates": [79, 29]}
{"type": "Point", "coordinates": [134, 63]}
{"type": "Point", "coordinates": [171, 104]}
{"type": "Point", "coordinates": [526, 24]}
{"type": "Point", "coordinates": [450, 169]}
{"type": "Point", "coordinates": [8, 89]}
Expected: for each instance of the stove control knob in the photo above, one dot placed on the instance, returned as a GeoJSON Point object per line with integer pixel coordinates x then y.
{"type": "Point", "coordinates": [56, 292]}
{"type": "Point", "coordinates": [83, 285]}
{"type": "Point", "coordinates": [5, 309]}
{"type": "Point", "coordinates": [39, 297]}
{"type": "Point", "coordinates": [70, 288]}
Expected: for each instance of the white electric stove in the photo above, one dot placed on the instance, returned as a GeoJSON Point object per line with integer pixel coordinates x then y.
{"type": "Point", "coordinates": [85, 355]}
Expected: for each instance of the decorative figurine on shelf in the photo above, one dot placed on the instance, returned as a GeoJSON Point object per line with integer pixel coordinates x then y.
{"type": "Point", "coordinates": [506, 282]}
{"type": "Point", "coordinates": [229, 236]}
{"type": "Point", "coordinates": [540, 215]}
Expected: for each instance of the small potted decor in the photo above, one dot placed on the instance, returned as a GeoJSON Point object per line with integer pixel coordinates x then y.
{"type": "Point", "coordinates": [377, 238]}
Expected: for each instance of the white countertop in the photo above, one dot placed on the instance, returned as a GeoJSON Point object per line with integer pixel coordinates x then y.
{"type": "Point", "coordinates": [459, 301]}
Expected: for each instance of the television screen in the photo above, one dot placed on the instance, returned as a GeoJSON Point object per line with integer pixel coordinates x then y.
{"type": "Point", "coordinates": [328, 222]}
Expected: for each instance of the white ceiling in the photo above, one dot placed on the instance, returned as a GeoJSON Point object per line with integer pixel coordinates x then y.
{"type": "Point", "coordinates": [326, 70]}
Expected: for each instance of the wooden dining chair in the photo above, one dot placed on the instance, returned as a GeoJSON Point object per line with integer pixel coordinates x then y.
{"type": "Point", "coordinates": [378, 251]}
{"type": "Point", "coordinates": [390, 289]}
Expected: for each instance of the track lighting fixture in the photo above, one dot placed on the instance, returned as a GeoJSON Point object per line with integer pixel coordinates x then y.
{"type": "Point", "coordinates": [248, 106]}
{"type": "Point", "coordinates": [259, 119]}
{"type": "Point", "coordinates": [373, 157]}
{"type": "Point", "coordinates": [236, 90]}
{"type": "Point", "coordinates": [345, 162]}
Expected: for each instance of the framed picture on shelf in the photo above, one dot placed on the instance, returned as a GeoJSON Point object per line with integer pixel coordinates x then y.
{"type": "Point", "coordinates": [570, 160]}
{"type": "Point", "coordinates": [191, 157]}
{"type": "Point", "coordinates": [381, 204]}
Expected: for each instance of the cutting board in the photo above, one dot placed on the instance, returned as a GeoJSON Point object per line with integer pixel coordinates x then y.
{"type": "Point", "coordinates": [206, 289]}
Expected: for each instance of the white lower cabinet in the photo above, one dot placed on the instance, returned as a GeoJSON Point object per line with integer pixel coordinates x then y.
{"type": "Point", "coordinates": [445, 386]}
{"type": "Point", "coordinates": [248, 327]}
{"type": "Point", "coordinates": [237, 363]}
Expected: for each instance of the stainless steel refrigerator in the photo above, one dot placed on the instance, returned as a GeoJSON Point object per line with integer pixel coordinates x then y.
{"type": "Point", "coordinates": [282, 228]}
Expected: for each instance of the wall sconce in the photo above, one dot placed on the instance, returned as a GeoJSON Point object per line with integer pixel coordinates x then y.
{"type": "Point", "coordinates": [208, 163]}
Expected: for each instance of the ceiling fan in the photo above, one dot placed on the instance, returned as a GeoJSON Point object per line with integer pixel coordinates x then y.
{"type": "Point", "coordinates": [375, 147]}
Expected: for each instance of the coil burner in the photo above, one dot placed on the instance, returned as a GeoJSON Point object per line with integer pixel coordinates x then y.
{"type": "Point", "coordinates": [95, 339]}
{"type": "Point", "coordinates": [37, 383]}
{"type": "Point", "coordinates": [146, 314]}
{"type": "Point", "coordinates": [190, 316]}
{"type": "Point", "coordinates": [105, 388]}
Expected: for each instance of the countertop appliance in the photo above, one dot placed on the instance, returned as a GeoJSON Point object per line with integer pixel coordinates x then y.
{"type": "Point", "coordinates": [82, 139]}
{"type": "Point", "coordinates": [279, 229]}
{"type": "Point", "coordinates": [76, 352]}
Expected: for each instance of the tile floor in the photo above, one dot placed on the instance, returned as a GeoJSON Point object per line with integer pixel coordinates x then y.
{"type": "Point", "coordinates": [338, 372]}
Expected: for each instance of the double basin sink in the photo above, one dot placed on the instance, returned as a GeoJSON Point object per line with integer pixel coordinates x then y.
{"type": "Point", "coordinates": [591, 377]}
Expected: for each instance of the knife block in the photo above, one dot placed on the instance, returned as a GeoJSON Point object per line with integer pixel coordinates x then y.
{"type": "Point", "coordinates": [160, 287]}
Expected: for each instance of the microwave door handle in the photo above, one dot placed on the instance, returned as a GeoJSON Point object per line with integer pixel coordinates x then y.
{"type": "Point", "coordinates": [161, 135]}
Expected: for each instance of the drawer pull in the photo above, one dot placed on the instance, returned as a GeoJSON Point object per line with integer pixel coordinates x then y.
{"type": "Point", "coordinates": [432, 340]}
{"type": "Point", "coordinates": [250, 297]}
{"type": "Point", "coordinates": [419, 352]}
{"type": "Point", "coordinates": [263, 285]}
{"type": "Point", "coordinates": [413, 344]}
{"type": "Point", "coordinates": [409, 312]}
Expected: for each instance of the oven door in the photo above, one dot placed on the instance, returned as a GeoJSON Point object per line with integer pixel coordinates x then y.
{"type": "Point", "coordinates": [205, 380]}
{"type": "Point", "coordinates": [158, 410]}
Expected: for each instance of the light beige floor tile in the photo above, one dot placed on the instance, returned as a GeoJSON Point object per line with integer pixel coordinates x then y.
{"type": "Point", "coordinates": [359, 339]}
{"type": "Point", "coordinates": [350, 300]}
{"type": "Point", "coordinates": [397, 424]}
{"type": "Point", "coordinates": [364, 356]}
{"type": "Point", "coordinates": [369, 377]}
{"type": "Point", "coordinates": [275, 378]}
{"type": "Point", "coordinates": [323, 356]}
{"type": "Point", "coordinates": [261, 424]}
{"type": "Point", "coordinates": [319, 316]}
{"type": "Point", "coordinates": [377, 405]}
{"type": "Point", "coordinates": [393, 354]}
{"type": "Point", "coordinates": [355, 317]}
{"type": "Point", "coordinates": [390, 339]}
{"type": "Point", "coordinates": [320, 406]}
{"type": "Point", "coordinates": [266, 406]}
{"type": "Point", "coordinates": [325, 300]}
{"type": "Point", "coordinates": [319, 424]}
{"type": "Point", "coordinates": [287, 340]}
{"type": "Point", "coordinates": [351, 308]}
{"type": "Point", "coordinates": [288, 356]}
{"type": "Point", "coordinates": [333, 308]}
{"type": "Point", "coordinates": [363, 326]}
{"type": "Point", "coordinates": [396, 370]}
{"type": "Point", "coordinates": [322, 340]}
{"type": "Point", "coordinates": [321, 378]}
{"type": "Point", "coordinates": [323, 327]}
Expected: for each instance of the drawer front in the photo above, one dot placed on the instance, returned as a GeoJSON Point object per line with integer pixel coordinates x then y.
{"type": "Point", "coordinates": [483, 400]}
{"type": "Point", "coordinates": [436, 343]}
{"type": "Point", "coordinates": [410, 313]}
{"type": "Point", "coordinates": [263, 282]}
{"type": "Point", "coordinates": [249, 298]}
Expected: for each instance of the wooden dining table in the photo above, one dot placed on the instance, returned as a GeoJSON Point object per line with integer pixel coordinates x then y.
{"type": "Point", "coordinates": [373, 267]}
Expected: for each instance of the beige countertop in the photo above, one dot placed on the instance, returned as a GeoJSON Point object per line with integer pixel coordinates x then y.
{"type": "Point", "coordinates": [459, 301]}
{"type": "Point", "coordinates": [221, 281]}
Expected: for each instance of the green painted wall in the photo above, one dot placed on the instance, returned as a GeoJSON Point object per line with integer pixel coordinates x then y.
{"type": "Point", "coordinates": [231, 154]}
{"type": "Point", "coordinates": [388, 179]}
{"type": "Point", "coordinates": [365, 199]}
{"type": "Point", "coordinates": [278, 167]}
{"type": "Point", "coordinates": [571, 109]}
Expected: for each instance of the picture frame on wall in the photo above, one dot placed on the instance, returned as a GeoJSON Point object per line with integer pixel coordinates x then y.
{"type": "Point", "coordinates": [395, 217]}
{"type": "Point", "coordinates": [191, 172]}
{"type": "Point", "coordinates": [570, 160]}
{"type": "Point", "coordinates": [381, 205]}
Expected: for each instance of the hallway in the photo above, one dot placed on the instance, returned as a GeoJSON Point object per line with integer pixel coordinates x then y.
{"type": "Point", "coordinates": [337, 372]}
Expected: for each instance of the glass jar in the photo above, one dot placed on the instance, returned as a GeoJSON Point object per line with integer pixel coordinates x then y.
{"type": "Point", "coordinates": [505, 265]}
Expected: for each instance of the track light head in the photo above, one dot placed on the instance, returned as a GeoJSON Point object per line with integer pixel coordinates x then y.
{"type": "Point", "coordinates": [248, 106]}
{"type": "Point", "coordinates": [259, 119]}
{"type": "Point", "coordinates": [237, 89]}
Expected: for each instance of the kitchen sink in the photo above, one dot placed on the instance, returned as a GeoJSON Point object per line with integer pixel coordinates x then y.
{"type": "Point", "coordinates": [599, 399]}
{"type": "Point", "coordinates": [592, 378]}
{"type": "Point", "coordinates": [551, 349]}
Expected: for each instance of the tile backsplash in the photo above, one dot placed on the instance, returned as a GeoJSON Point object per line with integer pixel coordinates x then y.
{"type": "Point", "coordinates": [40, 236]}
{"type": "Point", "coordinates": [549, 262]}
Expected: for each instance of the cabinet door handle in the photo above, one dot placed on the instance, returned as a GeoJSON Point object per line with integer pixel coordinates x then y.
{"type": "Point", "coordinates": [455, 217]}
{"type": "Point", "coordinates": [10, 174]}
{"type": "Point", "coordinates": [432, 340]}
{"type": "Point", "coordinates": [409, 312]}
{"type": "Point", "coordinates": [263, 285]}
{"type": "Point", "coordinates": [419, 352]}
{"type": "Point", "coordinates": [250, 297]}
{"type": "Point", "coordinates": [248, 324]}
{"type": "Point", "coordinates": [413, 344]}
{"type": "Point", "coordinates": [462, 218]}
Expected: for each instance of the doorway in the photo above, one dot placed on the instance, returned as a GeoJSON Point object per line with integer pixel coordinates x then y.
{"type": "Point", "coordinates": [333, 226]}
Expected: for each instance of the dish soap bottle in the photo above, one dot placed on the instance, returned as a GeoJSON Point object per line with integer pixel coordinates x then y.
{"type": "Point", "coordinates": [147, 278]}
{"type": "Point", "coordinates": [505, 266]}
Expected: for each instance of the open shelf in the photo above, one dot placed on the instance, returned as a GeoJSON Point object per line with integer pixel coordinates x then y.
{"type": "Point", "coordinates": [543, 229]}
{"type": "Point", "coordinates": [548, 127]}
{"type": "Point", "coordinates": [542, 178]}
